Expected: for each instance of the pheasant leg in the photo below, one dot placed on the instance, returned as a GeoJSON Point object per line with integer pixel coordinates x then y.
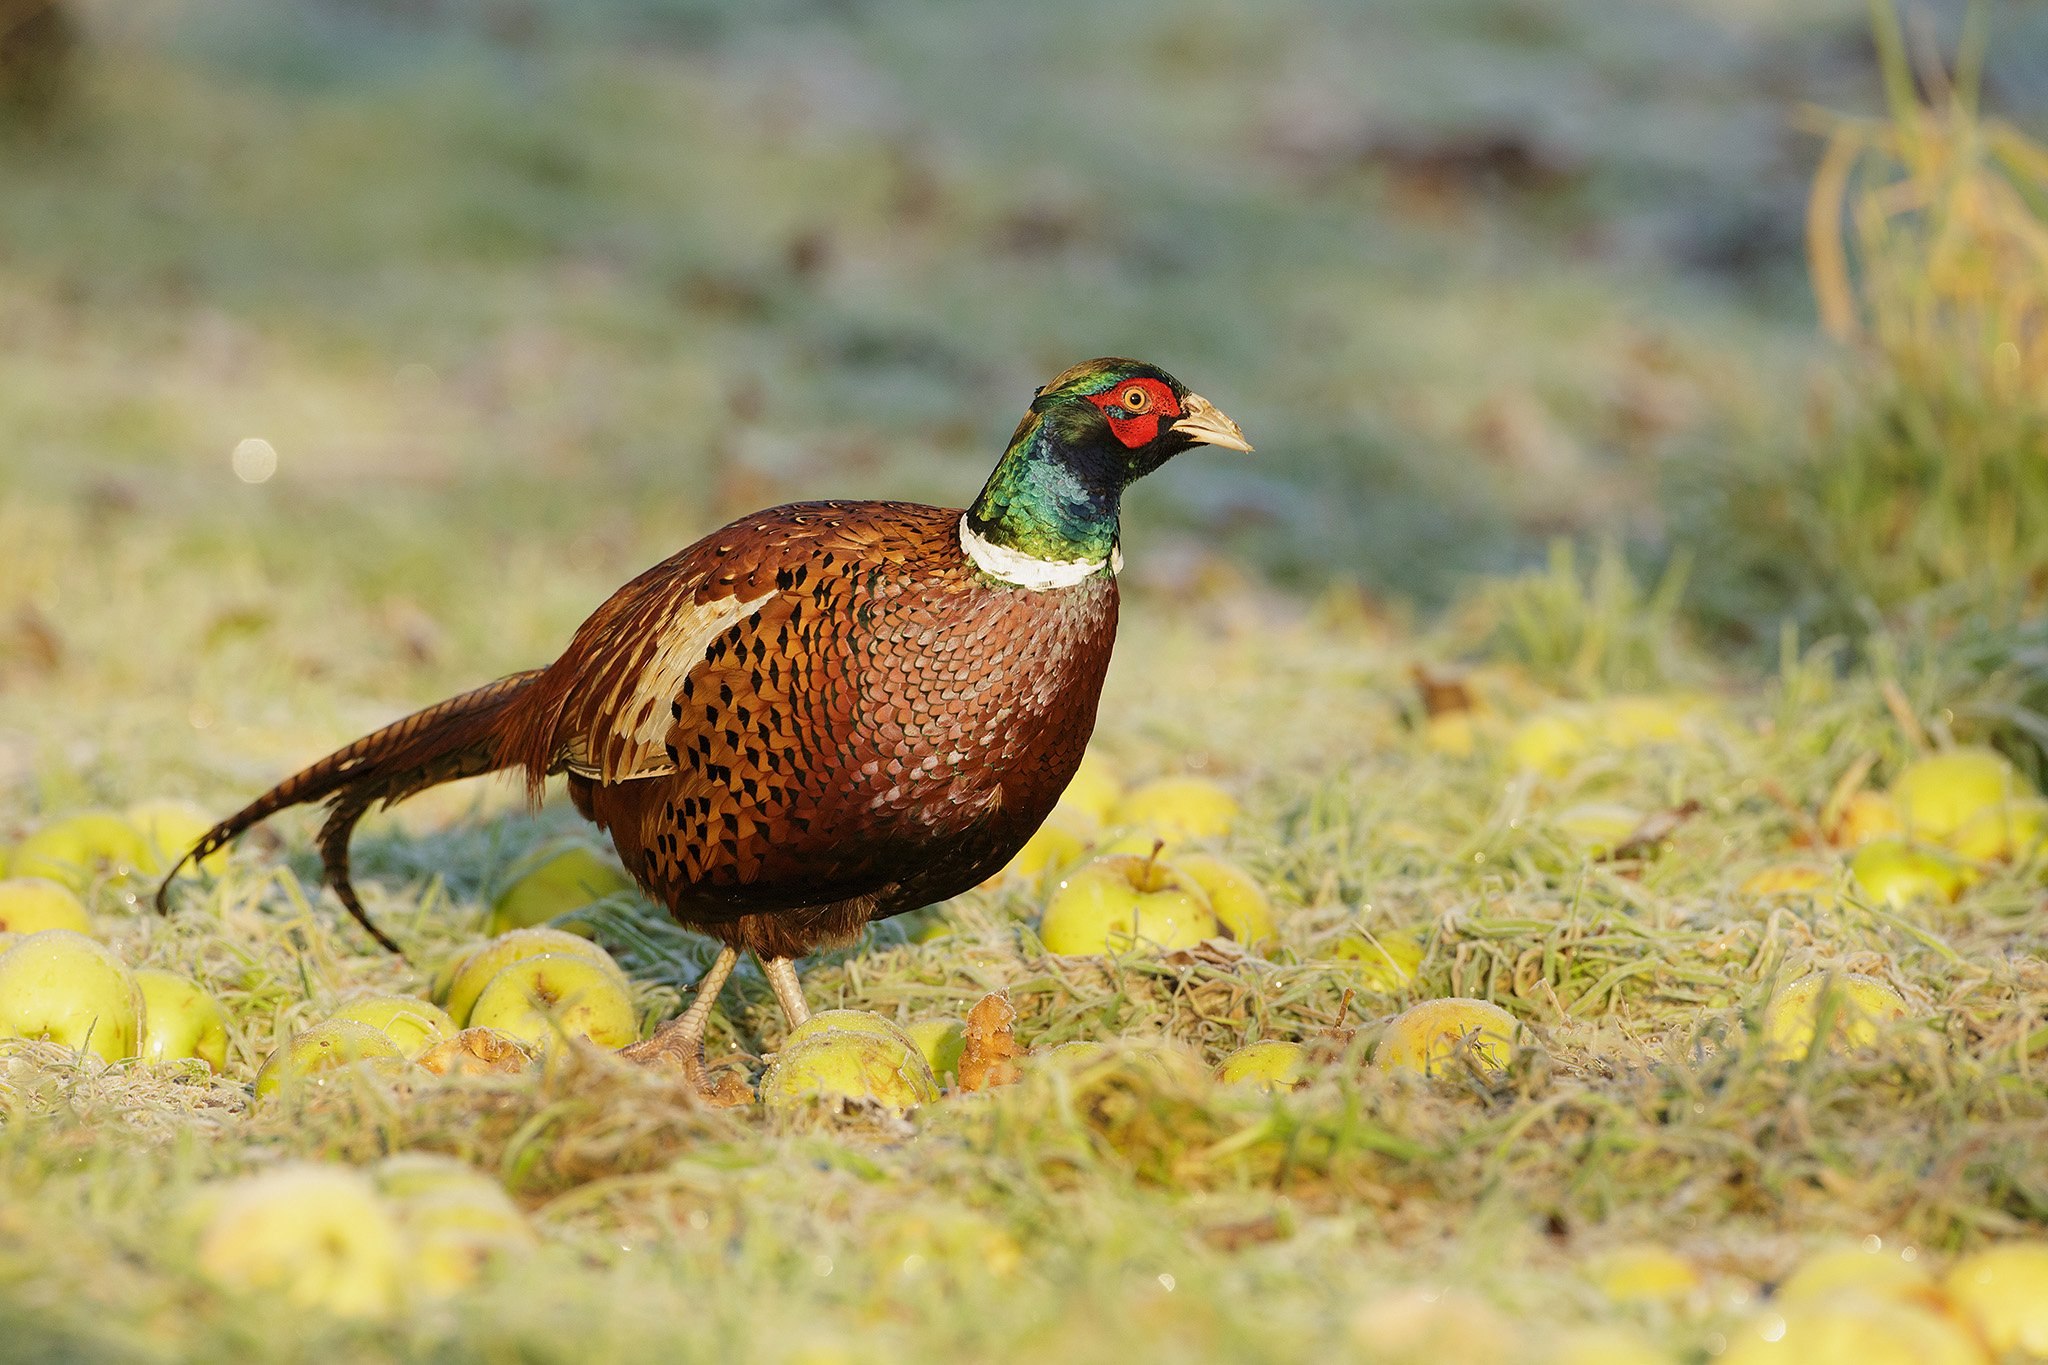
{"type": "Point", "coordinates": [781, 974]}
{"type": "Point", "coordinates": [680, 1042]}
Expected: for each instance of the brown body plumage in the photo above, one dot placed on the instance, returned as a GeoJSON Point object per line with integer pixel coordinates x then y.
{"type": "Point", "coordinates": [944, 728]}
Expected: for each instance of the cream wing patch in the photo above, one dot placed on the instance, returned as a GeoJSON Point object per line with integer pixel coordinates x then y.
{"type": "Point", "coordinates": [641, 705]}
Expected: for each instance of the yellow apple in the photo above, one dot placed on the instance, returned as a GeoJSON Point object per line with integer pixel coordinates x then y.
{"type": "Point", "coordinates": [458, 1223]}
{"type": "Point", "coordinates": [1387, 961]}
{"type": "Point", "coordinates": [412, 1023]}
{"type": "Point", "coordinates": [482, 966]}
{"type": "Point", "coordinates": [1122, 902]}
{"type": "Point", "coordinates": [179, 1020]}
{"type": "Point", "coordinates": [1866, 816]}
{"type": "Point", "coordinates": [1631, 722]}
{"type": "Point", "coordinates": [78, 848]}
{"type": "Point", "coordinates": [29, 905]}
{"type": "Point", "coordinates": [1234, 894]}
{"type": "Point", "coordinates": [1598, 827]}
{"type": "Point", "coordinates": [1898, 874]}
{"type": "Point", "coordinates": [170, 828]}
{"type": "Point", "coordinates": [309, 1057]}
{"type": "Point", "coordinates": [550, 997]}
{"type": "Point", "coordinates": [62, 986]}
{"type": "Point", "coordinates": [1269, 1064]}
{"type": "Point", "coordinates": [2003, 833]}
{"type": "Point", "coordinates": [1881, 1274]}
{"type": "Point", "coordinates": [1547, 742]}
{"type": "Point", "coordinates": [839, 1067]}
{"type": "Point", "coordinates": [941, 1041]}
{"type": "Point", "coordinates": [443, 981]}
{"type": "Point", "coordinates": [317, 1236]}
{"type": "Point", "coordinates": [556, 881]}
{"type": "Point", "coordinates": [1802, 881]}
{"type": "Point", "coordinates": [1426, 1037]}
{"type": "Point", "coordinates": [1054, 846]}
{"type": "Point", "coordinates": [2003, 1292]}
{"type": "Point", "coordinates": [1936, 794]}
{"type": "Point", "coordinates": [1095, 787]}
{"type": "Point", "coordinates": [1179, 809]}
{"type": "Point", "coordinates": [1644, 1273]}
{"type": "Point", "coordinates": [848, 1021]}
{"type": "Point", "coordinates": [1073, 1052]}
{"type": "Point", "coordinates": [478, 1052]}
{"type": "Point", "coordinates": [1862, 1002]}
{"type": "Point", "coordinates": [1851, 1330]}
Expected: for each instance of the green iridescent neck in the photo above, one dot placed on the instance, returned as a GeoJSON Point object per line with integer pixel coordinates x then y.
{"type": "Point", "coordinates": [1051, 497]}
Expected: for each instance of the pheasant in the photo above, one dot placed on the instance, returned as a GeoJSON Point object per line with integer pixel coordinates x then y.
{"type": "Point", "coordinates": [822, 714]}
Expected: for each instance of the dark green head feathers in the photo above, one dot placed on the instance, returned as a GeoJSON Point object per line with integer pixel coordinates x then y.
{"type": "Point", "coordinates": [1090, 433]}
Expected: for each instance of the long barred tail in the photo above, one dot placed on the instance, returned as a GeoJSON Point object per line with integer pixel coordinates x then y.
{"type": "Point", "coordinates": [448, 741]}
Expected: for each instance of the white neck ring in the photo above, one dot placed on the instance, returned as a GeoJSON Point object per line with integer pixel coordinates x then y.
{"type": "Point", "coordinates": [1028, 571]}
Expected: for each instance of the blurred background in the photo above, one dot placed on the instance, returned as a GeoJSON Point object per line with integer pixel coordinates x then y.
{"type": "Point", "coordinates": [376, 340]}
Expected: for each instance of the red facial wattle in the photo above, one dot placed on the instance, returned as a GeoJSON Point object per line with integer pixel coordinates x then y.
{"type": "Point", "coordinates": [1135, 429]}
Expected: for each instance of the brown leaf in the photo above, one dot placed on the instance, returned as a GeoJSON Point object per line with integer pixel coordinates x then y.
{"type": "Point", "coordinates": [989, 1050]}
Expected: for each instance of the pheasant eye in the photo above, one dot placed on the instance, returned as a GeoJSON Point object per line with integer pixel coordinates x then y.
{"type": "Point", "coordinates": [1135, 400]}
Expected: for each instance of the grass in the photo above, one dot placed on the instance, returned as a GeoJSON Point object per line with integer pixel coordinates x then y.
{"type": "Point", "coordinates": [525, 298]}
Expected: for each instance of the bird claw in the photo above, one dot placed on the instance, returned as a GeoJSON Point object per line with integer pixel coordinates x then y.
{"type": "Point", "coordinates": [721, 1089]}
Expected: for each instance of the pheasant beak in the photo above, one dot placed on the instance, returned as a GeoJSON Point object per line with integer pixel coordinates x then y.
{"type": "Point", "coordinates": [1205, 424]}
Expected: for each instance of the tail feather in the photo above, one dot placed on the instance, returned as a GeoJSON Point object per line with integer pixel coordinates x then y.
{"type": "Point", "coordinates": [448, 741]}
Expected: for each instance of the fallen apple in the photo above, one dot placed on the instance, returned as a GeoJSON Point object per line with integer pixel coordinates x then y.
{"type": "Point", "coordinates": [1427, 1037]}
{"type": "Point", "coordinates": [2003, 1292]}
{"type": "Point", "coordinates": [310, 1058]}
{"type": "Point", "coordinates": [839, 1068]}
{"type": "Point", "coordinates": [482, 966]}
{"type": "Point", "coordinates": [1179, 809]}
{"type": "Point", "coordinates": [1851, 1330]}
{"type": "Point", "coordinates": [1235, 895]}
{"type": "Point", "coordinates": [1937, 794]}
{"type": "Point", "coordinates": [941, 1041]}
{"type": "Point", "coordinates": [1631, 722]}
{"type": "Point", "coordinates": [1877, 1273]}
{"type": "Point", "coordinates": [1122, 902]}
{"type": "Point", "coordinates": [317, 1236]}
{"type": "Point", "coordinates": [1547, 742]}
{"type": "Point", "coordinates": [548, 998]}
{"type": "Point", "coordinates": [180, 1020]}
{"type": "Point", "coordinates": [556, 881]}
{"type": "Point", "coordinates": [1861, 1003]}
{"type": "Point", "coordinates": [1895, 873]}
{"type": "Point", "coordinates": [168, 829]}
{"type": "Point", "coordinates": [1054, 846]}
{"type": "Point", "coordinates": [457, 1222]}
{"type": "Point", "coordinates": [29, 905]}
{"type": "Point", "coordinates": [1387, 960]}
{"type": "Point", "coordinates": [1643, 1272]}
{"type": "Point", "coordinates": [1269, 1064]}
{"type": "Point", "coordinates": [78, 848]}
{"type": "Point", "coordinates": [848, 1021]}
{"type": "Point", "coordinates": [1094, 788]}
{"type": "Point", "coordinates": [2007, 832]}
{"type": "Point", "coordinates": [412, 1023]}
{"type": "Point", "coordinates": [1866, 816]}
{"type": "Point", "coordinates": [61, 986]}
